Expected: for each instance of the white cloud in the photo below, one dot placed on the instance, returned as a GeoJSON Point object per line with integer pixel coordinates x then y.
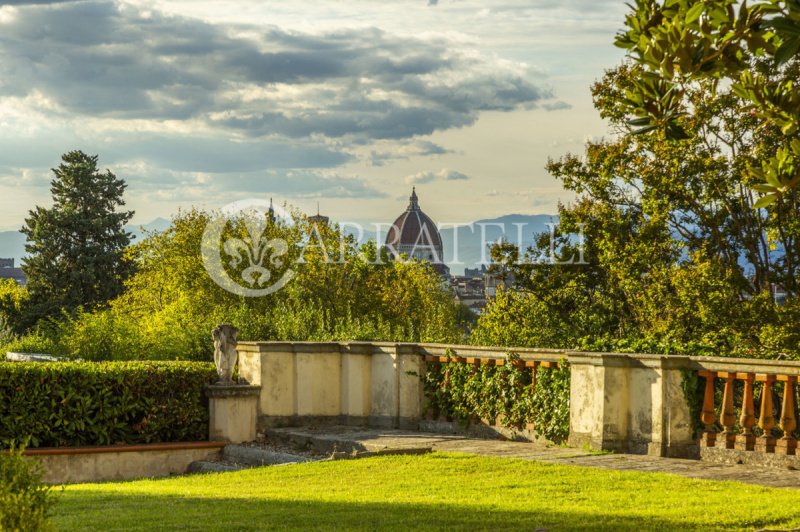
{"type": "Point", "coordinates": [427, 177]}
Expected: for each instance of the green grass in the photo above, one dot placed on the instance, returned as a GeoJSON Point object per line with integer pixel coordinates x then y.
{"type": "Point", "coordinates": [434, 491]}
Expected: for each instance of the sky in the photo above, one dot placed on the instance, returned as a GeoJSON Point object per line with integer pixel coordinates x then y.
{"type": "Point", "coordinates": [346, 103]}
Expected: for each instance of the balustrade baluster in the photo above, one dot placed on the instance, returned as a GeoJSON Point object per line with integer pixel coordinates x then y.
{"type": "Point", "coordinates": [787, 444]}
{"type": "Point", "coordinates": [708, 415]}
{"type": "Point", "coordinates": [746, 440]}
{"type": "Point", "coordinates": [534, 365]}
{"type": "Point", "coordinates": [766, 419]}
{"type": "Point", "coordinates": [727, 414]}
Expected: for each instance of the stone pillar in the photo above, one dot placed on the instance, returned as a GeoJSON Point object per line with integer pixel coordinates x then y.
{"type": "Point", "coordinates": [384, 388]}
{"type": "Point", "coordinates": [630, 403]}
{"type": "Point", "coordinates": [232, 412]}
{"type": "Point", "coordinates": [411, 401]}
{"type": "Point", "coordinates": [599, 401]}
{"type": "Point", "coordinates": [356, 383]}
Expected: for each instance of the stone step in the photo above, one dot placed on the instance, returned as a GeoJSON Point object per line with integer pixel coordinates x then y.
{"type": "Point", "coordinates": [350, 444]}
{"type": "Point", "coordinates": [211, 466]}
{"type": "Point", "coordinates": [255, 456]}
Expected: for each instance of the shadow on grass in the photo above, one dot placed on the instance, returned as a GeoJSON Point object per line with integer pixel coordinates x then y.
{"type": "Point", "coordinates": [102, 511]}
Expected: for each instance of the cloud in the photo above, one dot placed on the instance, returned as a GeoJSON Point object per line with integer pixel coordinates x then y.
{"type": "Point", "coordinates": [420, 178]}
{"type": "Point", "coordinates": [404, 150]}
{"type": "Point", "coordinates": [214, 155]}
{"type": "Point", "coordinates": [556, 106]}
{"type": "Point", "coordinates": [113, 60]}
{"type": "Point", "coordinates": [452, 175]}
{"type": "Point", "coordinates": [182, 153]}
{"type": "Point", "coordinates": [149, 180]}
{"type": "Point", "coordinates": [427, 177]}
{"type": "Point", "coordinates": [300, 184]}
{"type": "Point", "coordinates": [32, 2]}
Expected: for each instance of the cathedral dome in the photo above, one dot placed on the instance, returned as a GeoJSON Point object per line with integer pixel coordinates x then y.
{"type": "Point", "coordinates": [415, 234]}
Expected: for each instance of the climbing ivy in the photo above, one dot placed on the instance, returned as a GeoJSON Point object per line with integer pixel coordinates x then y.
{"type": "Point", "coordinates": [692, 387]}
{"type": "Point", "coordinates": [501, 394]}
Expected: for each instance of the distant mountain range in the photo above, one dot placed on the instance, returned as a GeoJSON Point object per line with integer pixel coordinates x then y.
{"type": "Point", "coordinates": [12, 243]}
{"type": "Point", "coordinates": [465, 246]}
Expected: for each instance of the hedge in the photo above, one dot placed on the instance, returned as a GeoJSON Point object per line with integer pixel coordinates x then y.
{"type": "Point", "coordinates": [102, 403]}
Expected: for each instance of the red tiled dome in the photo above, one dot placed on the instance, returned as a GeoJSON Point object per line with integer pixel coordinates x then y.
{"type": "Point", "coordinates": [413, 228]}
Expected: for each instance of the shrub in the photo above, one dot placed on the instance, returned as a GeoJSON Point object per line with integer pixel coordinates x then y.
{"type": "Point", "coordinates": [86, 403]}
{"type": "Point", "coordinates": [34, 342]}
{"type": "Point", "coordinates": [24, 499]}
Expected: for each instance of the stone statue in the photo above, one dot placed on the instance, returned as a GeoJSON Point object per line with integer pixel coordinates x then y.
{"type": "Point", "coordinates": [225, 355]}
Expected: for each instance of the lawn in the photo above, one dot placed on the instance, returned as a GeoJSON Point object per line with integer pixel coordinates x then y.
{"type": "Point", "coordinates": [433, 491]}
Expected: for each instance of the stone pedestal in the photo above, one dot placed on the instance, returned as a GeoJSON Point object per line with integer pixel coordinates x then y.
{"type": "Point", "coordinates": [745, 442]}
{"type": "Point", "coordinates": [630, 403]}
{"type": "Point", "coordinates": [232, 412]}
{"type": "Point", "coordinates": [765, 444]}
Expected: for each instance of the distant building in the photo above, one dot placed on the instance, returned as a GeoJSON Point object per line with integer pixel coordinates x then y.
{"type": "Point", "coordinates": [415, 235]}
{"type": "Point", "coordinates": [469, 291]}
{"type": "Point", "coordinates": [475, 272]}
{"type": "Point", "coordinates": [492, 281]}
{"type": "Point", "coordinates": [478, 286]}
{"type": "Point", "coordinates": [318, 219]}
{"type": "Point", "coordinates": [8, 271]}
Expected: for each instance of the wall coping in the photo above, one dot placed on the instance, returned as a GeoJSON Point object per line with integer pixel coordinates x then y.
{"type": "Point", "coordinates": [142, 447]}
{"type": "Point", "coordinates": [739, 365]}
{"type": "Point", "coordinates": [232, 390]}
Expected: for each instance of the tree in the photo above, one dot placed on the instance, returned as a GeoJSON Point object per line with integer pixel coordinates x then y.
{"type": "Point", "coordinates": [678, 44]}
{"type": "Point", "coordinates": [677, 257]}
{"type": "Point", "coordinates": [13, 301]}
{"type": "Point", "coordinates": [74, 249]}
{"type": "Point", "coordinates": [339, 291]}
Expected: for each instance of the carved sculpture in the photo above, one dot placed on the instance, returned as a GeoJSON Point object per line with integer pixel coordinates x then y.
{"type": "Point", "coordinates": [225, 355]}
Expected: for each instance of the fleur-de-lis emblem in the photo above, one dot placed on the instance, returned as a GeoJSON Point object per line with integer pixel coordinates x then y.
{"type": "Point", "coordinates": [260, 257]}
{"type": "Point", "coordinates": [255, 249]}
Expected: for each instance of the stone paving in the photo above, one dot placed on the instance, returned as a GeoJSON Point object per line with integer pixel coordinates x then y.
{"type": "Point", "coordinates": [387, 441]}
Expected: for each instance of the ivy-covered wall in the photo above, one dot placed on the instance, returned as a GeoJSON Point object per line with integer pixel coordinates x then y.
{"type": "Point", "coordinates": [502, 394]}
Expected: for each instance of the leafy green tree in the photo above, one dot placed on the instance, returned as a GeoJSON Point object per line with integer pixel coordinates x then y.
{"type": "Point", "coordinates": [680, 44]}
{"type": "Point", "coordinates": [13, 302]}
{"type": "Point", "coordinates": [75, 248]}
{"type": "Point", "coordinates": [677, 258]}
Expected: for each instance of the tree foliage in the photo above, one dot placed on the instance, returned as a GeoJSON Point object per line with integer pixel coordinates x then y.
{"type": "Point", "coordinates": [676, 257]}
{"type": "Point", "coordinates": [75, 247]}
{"type": "Point", "coordinates": [340, 291]}
{"type": "Point", "coordinates": [752, 47]}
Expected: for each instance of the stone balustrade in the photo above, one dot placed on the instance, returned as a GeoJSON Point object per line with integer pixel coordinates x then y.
{"type": "Point", "coordinates": [754, 378]}
{"type": "Point", "coordinates": [625, 402]}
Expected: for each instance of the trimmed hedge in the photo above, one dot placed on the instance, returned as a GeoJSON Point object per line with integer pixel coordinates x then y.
{"type": "Point", "coordinates": [102, 403]}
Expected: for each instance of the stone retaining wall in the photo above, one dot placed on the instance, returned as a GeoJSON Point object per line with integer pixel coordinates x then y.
{"type": "Point", "coordinates": [66, 465]}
